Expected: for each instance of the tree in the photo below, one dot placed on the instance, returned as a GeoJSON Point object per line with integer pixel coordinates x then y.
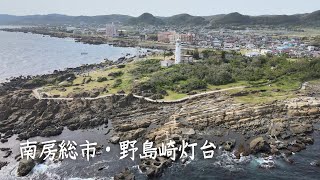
{"type": "Point", "coordinates": [223, 55]}
{"type": "Point", "coordinates": [196, 54]}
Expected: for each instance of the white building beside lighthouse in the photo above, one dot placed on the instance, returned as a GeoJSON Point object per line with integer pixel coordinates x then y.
{"type": "Point", "coordinates": [179, 58]}
{"type": "Point", "coordinates": [178, 52]}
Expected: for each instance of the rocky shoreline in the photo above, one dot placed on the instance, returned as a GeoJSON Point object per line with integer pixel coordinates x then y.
{"type": "Point", "coordinates": [86, 39]}
{"type": "Point", "coordinates": [278, 128]}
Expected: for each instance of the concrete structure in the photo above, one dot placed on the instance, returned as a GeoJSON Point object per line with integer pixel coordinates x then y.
{"type": "Point", "coordinates": [167, 63]}
{"type": "Point", "coordinates": [70, 29]}
{"type": "Point", "coordinates": [228, 45]}
{"type": "Point", "coordinates": [311, 48]}
{"type": "Point", "coordinates": [186, 38]}
{"type": "Point", "coordinates": [252, 54]}
{"type": "Point", "coordinates": [178, 52]}
{"type": "Point", "coordinates": [186, 59]}
{"type": "Point", "coordinates": [173, 37]}
{"type": "Point", "coordinates": [101, 31]}
{"type": "Point", "coordinates": [216, 43]}
{"type": "Point", "coordinates": [166, 37]}
{"type": "Point", "coordinates": [111, 30]}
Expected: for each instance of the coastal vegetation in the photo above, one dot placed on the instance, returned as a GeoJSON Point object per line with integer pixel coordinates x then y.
{"type": "Point", "coordinates": [266, 78]}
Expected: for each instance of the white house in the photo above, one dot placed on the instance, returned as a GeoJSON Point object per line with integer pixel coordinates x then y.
{"type": "Point", "coordinates": [228, 45]}
{"type": "Point", "coordinates": [252, 54]}
{"type": "Point", "coordinates": [311, 48]}
{"type": "Point", "coordinates": [167, 63]}
{"type": "Point", "coordinates": [111, 30]}
{"type": "Point", "coordinates": [216, 43]}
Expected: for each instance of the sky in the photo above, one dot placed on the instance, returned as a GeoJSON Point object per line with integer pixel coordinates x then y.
{"type": "Point", "coordinates": [157, 7]}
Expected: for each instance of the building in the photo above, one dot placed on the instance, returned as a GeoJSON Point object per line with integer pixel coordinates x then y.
{"type": "Point", "coordinates": [101, 31]}
{"type": "Point", "coordinates": [70, 29]}
{"type": "Point", "coordinates": [164, 37]}
{"type": "Point", "coordinates": [186, 59]}
{"type": "Point", "coordinates": [178, 52]}
{"type": "Point", "coordinates": [216, 43]}
{"type": "Point", "coordinates": [311, 48]}
{"type": "Point", "coordinates": [167, 63]}
{"type": "Point", "coordinates": [228, 45]}
{"type": "Point", "coordinates": [173, 37]}
{"type": "Point", "coordinates": [111, 30]}
{"type": "Point", "coordinates": [186, 38]}
{"type": "Point", "coordinates": [252, 54]}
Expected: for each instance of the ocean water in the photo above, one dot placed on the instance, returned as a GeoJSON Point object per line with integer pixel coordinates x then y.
{"type": "Point", "coordinates": [224, 167]}
{"type": "Point", "coordinates": [32, 54]}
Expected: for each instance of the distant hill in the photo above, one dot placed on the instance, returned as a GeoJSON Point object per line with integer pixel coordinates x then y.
{"type": "Point", "coordinates": [146, 19]}
{"type": "Point", "coordinates": [185, 20]}
{"type": "Point", "coordinates": [239, 19]}
{"type": "Point", "coordinates": [58, 19]}
{"type": "Point", "coordinates": [309, 19]}
{"type": "Point", "coordinates": [312, 18]}
{"type": "Point", "coordinates": [276, 20]}
{"type": "Point", "coordinates": [233, 18]}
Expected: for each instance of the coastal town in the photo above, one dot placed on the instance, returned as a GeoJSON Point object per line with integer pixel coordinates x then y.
{"type": "Point", "coordinates": [250, 41]}
{"type": "Point", "coordinates": [294, 43]}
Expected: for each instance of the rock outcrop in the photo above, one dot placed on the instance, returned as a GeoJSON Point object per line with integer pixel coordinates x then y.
{"type": "Point", "coordinates": [259, 145]}
{"type": "Point", "coordinates": [125, 175]}
{"type": "Point", "coordinates": [25, 166]}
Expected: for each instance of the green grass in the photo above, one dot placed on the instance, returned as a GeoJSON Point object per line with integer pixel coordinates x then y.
{"type": "Point", "coordinates": [78, 86]}
{"type": "Point", "coordinates": [174, 95]}
{"type": "Point", "coordinates": [282, 89]}
{"type": "Point", "coordinates": [236, 84]}
{"type": "Point", "coordinates": [264, 97]}
{"type": "Point", "coordinates": [265, 91]}
{"type": "Point", "coordinates": [286, 86]}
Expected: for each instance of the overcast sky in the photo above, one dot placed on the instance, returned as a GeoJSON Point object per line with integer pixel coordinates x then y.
{"type": "Point", "coordinates": [157, 7]}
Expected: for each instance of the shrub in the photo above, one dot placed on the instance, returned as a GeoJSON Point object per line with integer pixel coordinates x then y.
{"type": "Point", "coordinates": [116, 74]}
{"type": "Point", "coordinates": [121, 66]}
{"type": "Point", "coordinates": [66, 77]}
{"type": "Point", "coordinates": [102, 79]}
{"type": "Point", "coordinates": [117, 83]}
{"type": "Point", "coordinates": [192, 84]}
{"type": "Point", "coordinates": [146, 67]}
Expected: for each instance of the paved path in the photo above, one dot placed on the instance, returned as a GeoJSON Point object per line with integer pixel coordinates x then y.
{"type": "Point", "coordinates": [38, 96]}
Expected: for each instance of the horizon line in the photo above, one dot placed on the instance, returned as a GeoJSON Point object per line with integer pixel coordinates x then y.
{"type": "Point", "coordinates": [273, 14]}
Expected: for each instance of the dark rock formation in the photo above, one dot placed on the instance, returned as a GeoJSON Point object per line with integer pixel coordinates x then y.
{"type": "Point", "coordinates": [3, 164]}
{"type": "Point", "coordinates": [125, 175]}
{"type": "Point", "coordinates": [259, 145]}
{"type": "Point", "coordinates": [25, 166]}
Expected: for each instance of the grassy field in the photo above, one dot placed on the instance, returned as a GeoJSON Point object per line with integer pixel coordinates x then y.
{"type": "Point", "coordinates": [282, 89]}
{"type": "Point", "coordinates": [174, 95]}
{"type": "Point", "coordinates": [261, 91]}
{"type": "Point", "coordinates": [79, 84]}
{"type": "Point", "coordinates": [279, 90]}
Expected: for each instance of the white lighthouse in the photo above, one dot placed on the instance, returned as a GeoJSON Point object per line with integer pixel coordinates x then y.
{"type": "Point", "coordinates": [178, 52]}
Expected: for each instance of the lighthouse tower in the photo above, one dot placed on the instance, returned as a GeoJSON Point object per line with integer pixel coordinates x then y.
{"type": "Point", "coordinates": [178, 52]}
